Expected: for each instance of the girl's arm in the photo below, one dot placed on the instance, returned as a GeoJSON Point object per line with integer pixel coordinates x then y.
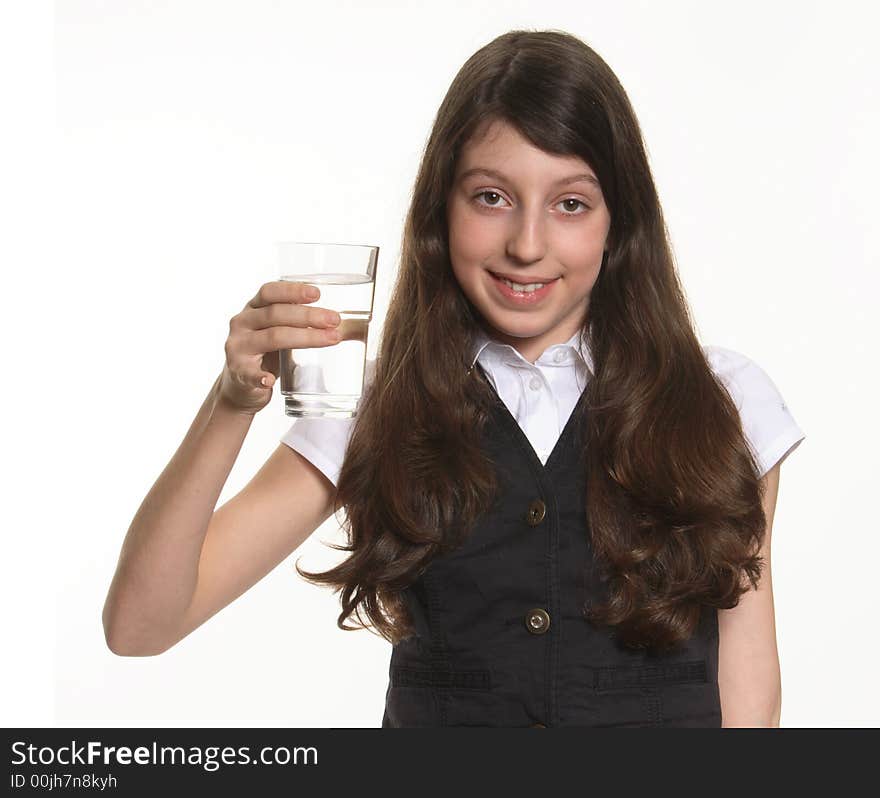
{"type": "Point", "coordinates": [749, 678]}
{"type": "Point", "coordinates": [182, 561]}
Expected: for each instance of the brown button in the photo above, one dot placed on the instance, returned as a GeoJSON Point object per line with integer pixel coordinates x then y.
{"type": "Point", "coordinates": [538, 726]}
{"type": "Point", "coordinates": [537, 621]}
{"type": "Point", "coordinates": [536, 512]}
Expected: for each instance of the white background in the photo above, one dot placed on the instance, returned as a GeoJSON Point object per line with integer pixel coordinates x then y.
{"type": "Point", "coordinates": [139, 205]}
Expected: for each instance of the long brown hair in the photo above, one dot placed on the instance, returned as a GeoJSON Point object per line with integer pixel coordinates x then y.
{"type": "Point", "coordinates": [674, 503]}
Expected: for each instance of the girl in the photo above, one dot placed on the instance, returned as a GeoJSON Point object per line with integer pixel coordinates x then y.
{"type": "Point", "coordinates": [558, 503]}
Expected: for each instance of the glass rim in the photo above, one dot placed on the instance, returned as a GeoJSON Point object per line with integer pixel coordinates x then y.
{"type": "Point", "coordinates": [323, 244]}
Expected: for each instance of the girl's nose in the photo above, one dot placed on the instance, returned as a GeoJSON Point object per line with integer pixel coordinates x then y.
{"type": "Point", "coordinates": [526, 240]}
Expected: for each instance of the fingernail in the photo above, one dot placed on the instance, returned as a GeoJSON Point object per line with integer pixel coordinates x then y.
{"type": "Point", "coordinates": [312, 292]}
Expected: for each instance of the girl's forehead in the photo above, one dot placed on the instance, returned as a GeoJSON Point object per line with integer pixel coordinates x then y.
{"type": "Point", "coordinates": [513, 160]}
{"type": "Point", "coordinates": [499, 143]}
{"type": "Point", "coordinates": [489, 134]}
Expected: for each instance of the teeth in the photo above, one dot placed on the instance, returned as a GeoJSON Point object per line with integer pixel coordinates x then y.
{"type": "Point", "coordinates": [523, 289]}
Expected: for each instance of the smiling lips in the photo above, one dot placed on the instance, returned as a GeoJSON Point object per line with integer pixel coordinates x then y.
{"type": "Point", "coordinates": [520, 280]}
{"type": "Point", "coordinates": [520, 298]}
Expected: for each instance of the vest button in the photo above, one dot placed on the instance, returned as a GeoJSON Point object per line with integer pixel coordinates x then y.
{"type": "Point", "coordinates": [536, 512]}
{"type": "Point", "coordinates": [537, 621]}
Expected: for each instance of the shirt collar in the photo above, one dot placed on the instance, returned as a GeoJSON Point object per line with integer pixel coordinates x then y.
{"type": "Point", "coordinates": [483, 344]}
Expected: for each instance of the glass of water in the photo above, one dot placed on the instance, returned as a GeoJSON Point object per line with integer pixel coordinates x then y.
{"type": "Point", "coordinates": [328, 380]}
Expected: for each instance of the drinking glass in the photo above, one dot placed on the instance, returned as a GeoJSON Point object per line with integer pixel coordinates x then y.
{"type": "Point", "coordinates": [329, 380]}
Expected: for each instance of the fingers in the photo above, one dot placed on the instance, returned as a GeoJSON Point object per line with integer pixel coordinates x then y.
{"type": "Point", "coordinates": [272, 339]}
{"type": "Point", "coordinates": [288, 315]}
{"type": "Point", "coordinates": [278, 318]}
{"type": "Point", "coordinates": [284, 291]}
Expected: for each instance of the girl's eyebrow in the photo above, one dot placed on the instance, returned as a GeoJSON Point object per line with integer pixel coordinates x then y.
{"type": "Point", "coordinates": [482, 170]}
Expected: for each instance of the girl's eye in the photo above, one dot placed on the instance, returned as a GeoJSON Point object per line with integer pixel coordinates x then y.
{"type": "Point", "coordinates": [489, 193]}
{"type": "Point", "coordinates": [572, 199]}
{"type": "Point", "coordinates": [497, 196]}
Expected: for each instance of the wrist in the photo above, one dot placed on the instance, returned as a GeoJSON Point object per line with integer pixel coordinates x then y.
{"type": "Point", "coordinates": [222, 407]}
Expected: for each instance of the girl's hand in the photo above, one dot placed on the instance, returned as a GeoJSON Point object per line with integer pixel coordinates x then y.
{"type": "Point", "coordinates": [276, 318]}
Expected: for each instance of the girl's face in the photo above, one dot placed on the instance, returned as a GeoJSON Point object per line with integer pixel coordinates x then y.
{"type": "Point", "coordinates": [533, 217]}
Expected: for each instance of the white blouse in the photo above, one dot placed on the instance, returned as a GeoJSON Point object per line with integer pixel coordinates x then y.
{"type": "Point", "coordinates": [541, 397]}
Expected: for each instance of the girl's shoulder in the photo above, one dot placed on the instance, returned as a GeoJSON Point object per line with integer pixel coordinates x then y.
{"type": "Point", "coordinates": [768, 423]}
{"type": "Point", "coordinates": [734, 368]}
{"type": "Point", "coordinates": [745, 380]}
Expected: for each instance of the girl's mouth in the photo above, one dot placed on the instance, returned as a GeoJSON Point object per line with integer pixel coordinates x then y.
{"type": "Point", "coordinates": [522, 295]}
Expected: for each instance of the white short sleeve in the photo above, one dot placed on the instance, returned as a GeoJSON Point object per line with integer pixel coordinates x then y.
{"type": "Point", "coordinates": [769, 426]}
{"type": "Point", "coordinates": [323, 441]}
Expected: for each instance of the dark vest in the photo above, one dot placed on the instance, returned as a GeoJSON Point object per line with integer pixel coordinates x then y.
{"type": "Point", "coordinates": [500, 635]}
